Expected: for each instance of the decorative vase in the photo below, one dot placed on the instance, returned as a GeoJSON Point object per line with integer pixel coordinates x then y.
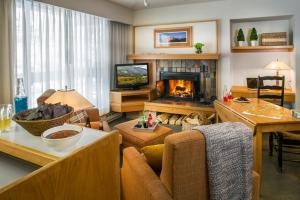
{"type": "Point", "coordinates": [254, 43]}
{"type": "Point", "coordinates": [199, 51]}
{"type": "Point", "coordinates": [241, 43]}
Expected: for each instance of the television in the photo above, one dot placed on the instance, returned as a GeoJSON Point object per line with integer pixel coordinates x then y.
{"type": "Point", "coordinates": [132, 76]}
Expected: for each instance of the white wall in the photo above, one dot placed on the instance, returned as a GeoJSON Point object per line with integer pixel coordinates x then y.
{"type": "Point", "coordinates": [231, 65]}
{"type": "Point", "coordinates": [204, 32]}
{"type": "Point", "coordinates": [100, 8]}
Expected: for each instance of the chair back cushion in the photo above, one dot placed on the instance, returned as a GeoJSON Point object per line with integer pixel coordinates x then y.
{"type": "Point", "coordinates": [184, 170]}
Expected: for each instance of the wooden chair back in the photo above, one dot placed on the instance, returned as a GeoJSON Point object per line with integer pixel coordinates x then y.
{"type": "Point", "coordinates": [278, 86]}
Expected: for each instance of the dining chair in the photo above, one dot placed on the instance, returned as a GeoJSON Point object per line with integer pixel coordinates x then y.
{"type": "Point", "coordinates": [286, 140]}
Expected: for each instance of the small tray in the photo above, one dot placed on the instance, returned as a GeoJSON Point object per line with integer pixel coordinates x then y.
{"type": "Point", "coordinates": [238, 101]}
{"type": "Point", "coordinates": [150, 129]}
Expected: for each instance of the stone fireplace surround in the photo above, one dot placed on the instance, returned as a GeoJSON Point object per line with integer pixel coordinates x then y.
{"type": "Point", "coordinates": [203, 70]}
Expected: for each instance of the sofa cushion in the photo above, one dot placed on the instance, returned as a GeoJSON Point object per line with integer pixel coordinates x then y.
{"type": "Point", "coordinates": [153, 155]}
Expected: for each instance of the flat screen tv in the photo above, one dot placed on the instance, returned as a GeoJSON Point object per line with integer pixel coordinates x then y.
{"type": "Point", "coordinates": [132, 76]}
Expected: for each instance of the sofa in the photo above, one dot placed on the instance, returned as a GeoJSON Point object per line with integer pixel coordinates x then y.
{"type": "Point", "coordinates": [184, 172]}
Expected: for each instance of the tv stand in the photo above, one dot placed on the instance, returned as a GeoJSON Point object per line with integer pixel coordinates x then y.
{"type": "Point", "coordinates": [129, 100]}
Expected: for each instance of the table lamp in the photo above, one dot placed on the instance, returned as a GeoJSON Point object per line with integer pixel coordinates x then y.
{"type": "Point", "coordinates": [71, 98]}
{"type": "Point", "coordinates": [276, 65]}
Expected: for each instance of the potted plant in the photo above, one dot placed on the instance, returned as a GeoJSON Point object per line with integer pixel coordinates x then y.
{"type": "Point", "coordinates": [253, 37]}
{"type": "Point", "coordinates": [241, 38]}
{"type": "Point", "coordinates": [198, 47]}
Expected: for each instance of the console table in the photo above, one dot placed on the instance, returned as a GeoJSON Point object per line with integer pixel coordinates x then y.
{"type": "Point", "coordinates": [129, 100]}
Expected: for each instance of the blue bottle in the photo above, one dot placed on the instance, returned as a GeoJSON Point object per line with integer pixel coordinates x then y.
{"type": "Point", "coordinates": [21, 100]}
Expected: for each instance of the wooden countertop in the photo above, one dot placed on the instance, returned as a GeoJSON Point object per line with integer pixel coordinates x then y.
{"type": "Point", "coordinates": [21, 144]}
{"type": "Point", "coordinates": [261, 112]}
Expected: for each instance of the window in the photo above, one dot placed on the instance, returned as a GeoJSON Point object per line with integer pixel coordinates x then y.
{"type": "Point", "coordinates": [58, 47]}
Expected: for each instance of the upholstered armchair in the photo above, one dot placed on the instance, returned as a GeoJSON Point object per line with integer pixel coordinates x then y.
{"type": "Point", "coordinates": [183, 176]}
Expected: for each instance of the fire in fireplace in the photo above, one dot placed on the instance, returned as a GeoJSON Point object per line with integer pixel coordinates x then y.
{"type": "Point", "coordinates": [180, 85]}
{"type": "Point", "coordinates": [180, 88]}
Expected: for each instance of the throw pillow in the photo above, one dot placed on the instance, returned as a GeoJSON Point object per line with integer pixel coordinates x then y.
{"type": "Point", "coordinates": [80, 116]}
{"type": "Point", "coordinates": [154, 155]}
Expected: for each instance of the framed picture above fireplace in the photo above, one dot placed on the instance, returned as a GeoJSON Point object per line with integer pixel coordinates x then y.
{"type": "Point", "coordinates": [178, 37]}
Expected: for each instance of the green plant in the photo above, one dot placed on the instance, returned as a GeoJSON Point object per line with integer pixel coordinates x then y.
{"type": "Point", "coordinates": [198, 47]}
{"type": "Point", "coordinates": [253, 35]}
{"type": "Point", "coordinates": [240, 36]}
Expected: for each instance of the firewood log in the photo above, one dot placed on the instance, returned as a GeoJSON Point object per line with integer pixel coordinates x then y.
{"type": "Point", "coordinates": [179, 120]}
{"type": "Point", "coordinates": [163, 117]}
{"type": "Point", "coordinates": [193, 121]}
{"type": "Point", "coordinates": [166, 121]}
{"type": "Point", "coordinates": [173, 119]}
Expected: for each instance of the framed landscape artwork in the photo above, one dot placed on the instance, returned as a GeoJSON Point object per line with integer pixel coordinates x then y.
{"type": "Point", "coordinates": [180, 37]}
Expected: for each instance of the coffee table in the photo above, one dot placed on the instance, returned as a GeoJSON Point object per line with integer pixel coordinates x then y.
{"type": "Point", "coordinates": [140, 139]}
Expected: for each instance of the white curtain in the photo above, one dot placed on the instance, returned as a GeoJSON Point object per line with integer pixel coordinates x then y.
{"type": "Point", "coordinates": [57, 47]}
{"type": "Point", "coordinates": [5, 51]}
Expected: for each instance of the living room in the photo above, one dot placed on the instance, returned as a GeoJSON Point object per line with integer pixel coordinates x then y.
{"type": "Point", "coordinates": [149, 99]}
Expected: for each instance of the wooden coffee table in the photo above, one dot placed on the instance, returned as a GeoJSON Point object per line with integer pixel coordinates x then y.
{"type": "Point", "coordinates": [140, 139]}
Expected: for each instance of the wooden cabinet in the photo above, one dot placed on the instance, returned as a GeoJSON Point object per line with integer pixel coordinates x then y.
{"type": "Point", "coordinates": [129, 100]}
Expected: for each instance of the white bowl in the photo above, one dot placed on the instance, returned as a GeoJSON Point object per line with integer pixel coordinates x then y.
{"type": "Point", "coordinates": [62, 143]}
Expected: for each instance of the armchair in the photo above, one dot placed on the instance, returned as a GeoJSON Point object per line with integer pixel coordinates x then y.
{"type": "Point", "coordinates": [183, 176]}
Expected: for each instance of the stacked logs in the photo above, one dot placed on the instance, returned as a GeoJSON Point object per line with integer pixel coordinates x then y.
{"type": "Point", "coordinates": [176, 119]}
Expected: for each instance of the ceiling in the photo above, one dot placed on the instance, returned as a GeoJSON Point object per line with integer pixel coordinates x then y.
{"type": "Point", "coordinates": [139, 4]}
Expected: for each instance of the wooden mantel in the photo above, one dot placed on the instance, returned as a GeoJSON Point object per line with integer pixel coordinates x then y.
{"type": "Point", "coordinates": [202, 56]}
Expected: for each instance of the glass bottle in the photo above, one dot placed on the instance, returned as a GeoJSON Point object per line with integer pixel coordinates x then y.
{"type": "Point", "coordinates": [225, 94]}
{"type": "Point", "coordinates": [21, 100]}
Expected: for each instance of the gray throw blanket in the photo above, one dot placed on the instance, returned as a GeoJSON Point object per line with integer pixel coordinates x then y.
{"type": "Point", "coordinates": [229, 160]}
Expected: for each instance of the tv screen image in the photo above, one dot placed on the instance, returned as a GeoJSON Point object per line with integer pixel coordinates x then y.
{"type": "Point", "coordinates": [132, 75]}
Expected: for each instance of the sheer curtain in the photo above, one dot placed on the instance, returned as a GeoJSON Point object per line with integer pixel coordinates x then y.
{"type": "Point", "coordinates": [120, 46]}
{"type": "Point", "coordinates": [58, 47]}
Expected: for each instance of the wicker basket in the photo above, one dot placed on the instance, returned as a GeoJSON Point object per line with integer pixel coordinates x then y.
{"type": "Point", "coordinates": [37, 127]}
{"type": "Point", "coordinates": [203, 120]}
{"type": "Point", "coordinates": [274, 39]}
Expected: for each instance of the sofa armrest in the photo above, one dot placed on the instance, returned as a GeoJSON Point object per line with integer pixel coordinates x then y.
{"type": "Point", "coordinates": [138, 180]}
{"type": "Point", "coordinates": [255, 186]}
{"type": "Point", "coordinates": [93, 114]}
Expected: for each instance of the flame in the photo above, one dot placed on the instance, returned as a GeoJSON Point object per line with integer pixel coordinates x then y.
{"type": "Point", "coordinates": [180, 88]}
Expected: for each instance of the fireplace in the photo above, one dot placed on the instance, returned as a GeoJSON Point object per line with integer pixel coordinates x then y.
{"type": "Point", "coordinates": [180, 85]}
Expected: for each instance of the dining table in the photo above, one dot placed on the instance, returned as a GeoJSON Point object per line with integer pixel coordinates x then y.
{"type": "Point", "coordinates": [261, 116]}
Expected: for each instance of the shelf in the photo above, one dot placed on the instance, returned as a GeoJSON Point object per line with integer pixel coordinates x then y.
{"type": "Point", "coordinates": [246, 49]}
{"type": "Point", "coordinates": [202, 56]}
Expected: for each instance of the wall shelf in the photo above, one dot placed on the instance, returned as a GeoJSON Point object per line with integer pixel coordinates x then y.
{"type": "Point", "coordinates": [246, 49]}
{"type": "Point", "coordinates": [202, 56]}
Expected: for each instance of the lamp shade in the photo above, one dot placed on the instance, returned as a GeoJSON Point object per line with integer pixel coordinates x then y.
{"type": "Point", "coordinates": [276, 65]}
{"type": "Point", "coordinates": [71, 98]}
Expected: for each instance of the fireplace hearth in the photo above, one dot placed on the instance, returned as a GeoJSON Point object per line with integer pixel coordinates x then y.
{"type": "Point", "coordinates": [181, 85]}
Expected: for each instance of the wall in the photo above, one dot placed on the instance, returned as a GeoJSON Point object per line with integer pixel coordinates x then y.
{"type": "Point", "coordinates": [204, 32]}
{"type": "Point", "coordinates": [97, 7]}
{"type": "Point", "coordinates": [229, 65]}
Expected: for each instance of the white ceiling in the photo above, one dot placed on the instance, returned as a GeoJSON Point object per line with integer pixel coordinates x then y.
{"type": "Point", "coordinates": [139, 4]}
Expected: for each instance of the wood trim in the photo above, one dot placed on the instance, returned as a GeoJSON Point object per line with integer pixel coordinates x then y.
{"type": "Point", "coordinates": [188, 44]}
{"type": "Point", "coordinates": [90, 172]}
{"type": "Point", "coordinates": [26, 154]}
{"type": "Point", "coordinates": [173, 23]}
{"type": "Point", "coordinates": [247, 49]}
{"type": "Point", "coordinates": [177, 108]}
{"type": "Point", "coordinates": [202, 56]}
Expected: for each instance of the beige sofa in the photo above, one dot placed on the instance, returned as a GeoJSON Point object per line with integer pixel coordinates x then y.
{"type": "Point", "coordinates": [183, 176]}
